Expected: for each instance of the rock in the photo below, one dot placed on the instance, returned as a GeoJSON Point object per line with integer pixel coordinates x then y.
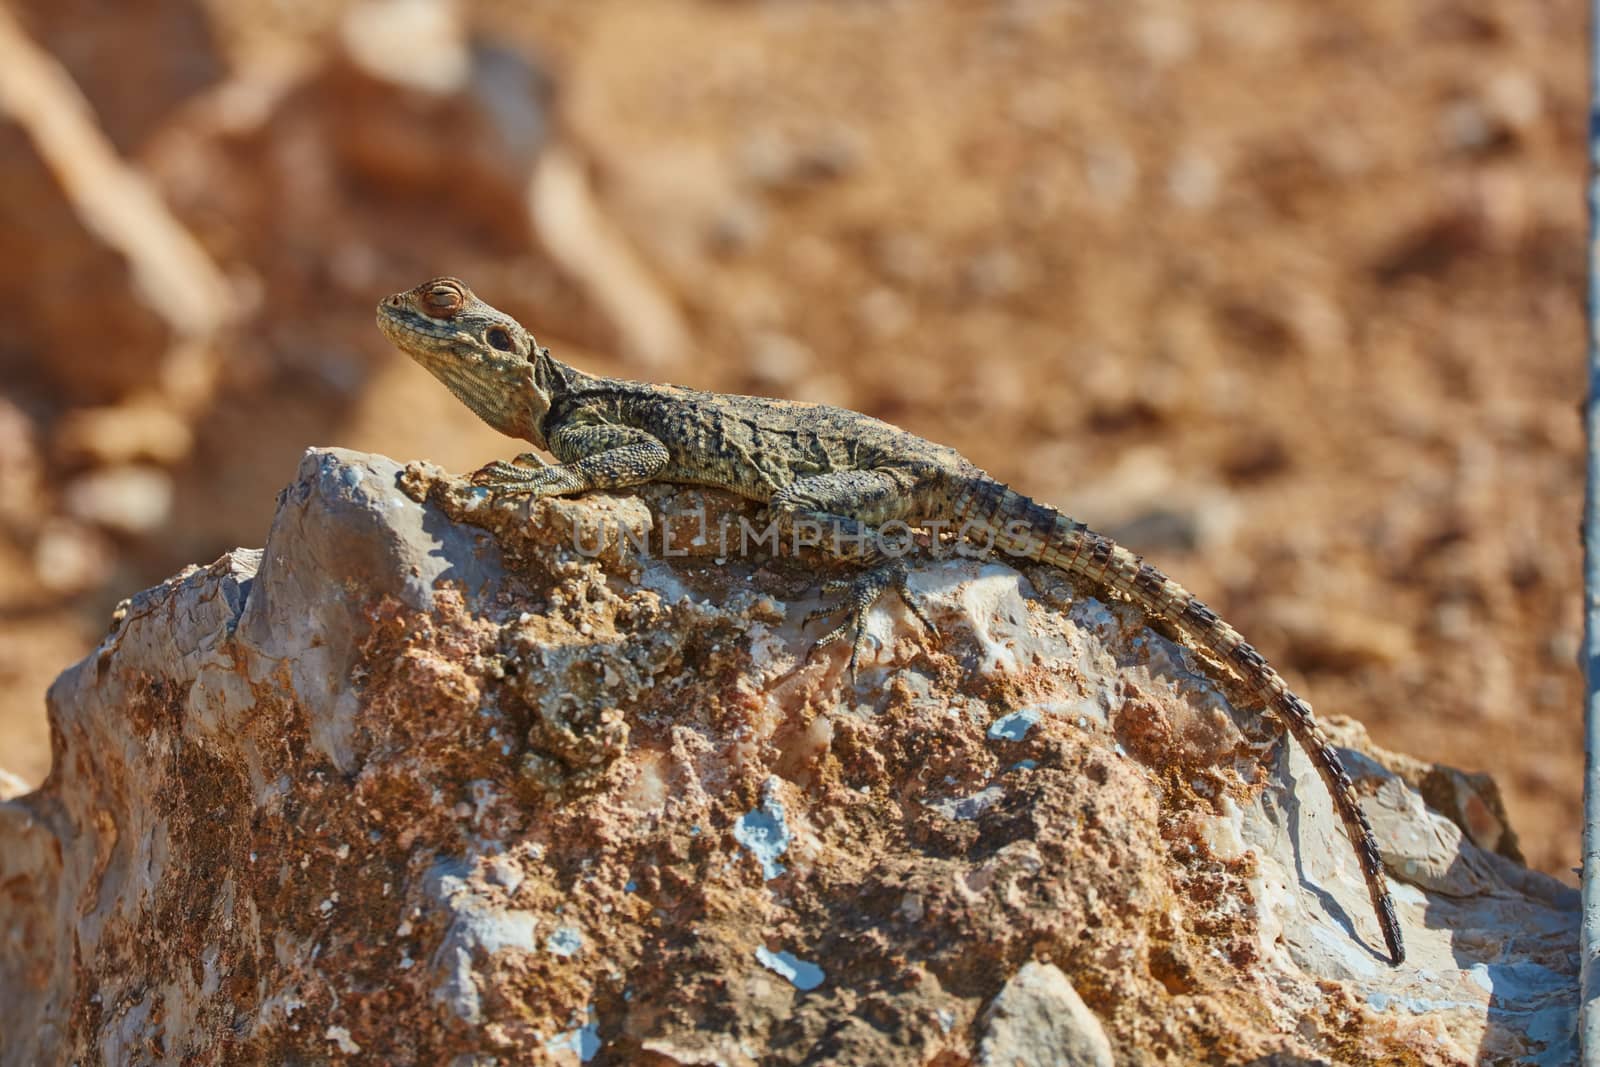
{"type": "Point", "coordinates": [70, 557]}
{"type": "Point", "coordinates": [906, 257]}
{"type": "Point", "coordinates": [1471, 800]}
{"type": "Point", "coordinates": [778, 360]}
{"type": "Point", "coordinates": [1335, 640]}
{"type": "Point", "coordinates": [123, 434]}
{"type": "Point", "coordinates": [132, 500]}
{"type": "Point", "coordinates": [11, 785]}
{"type": "Point", "coordinates": [1039, 1019]}
{"type": "Point", "coordinates": [419, 44]}
{"type": "Point", "coordinates": [392, 125]}
{"type": "Point", "coordinates": [415, 140]}
{"type": "Point", "coordinates": [1165, 39]}
{"type": "Point", "coordinates": [114, 282]}
{"type": "Point", "coordinates": [591, 249]}
{"type": "Point", "coordinates": [1492, 121]}
{"type": "Point", "coordinates": [996, 273]}
{"type": "Point", "coordinates": [136, 63]}
{"type": "Point", "coordinates": [20, 469]}
{"type": "Point", "coordinates": [438, 777]}
{"type": "Point", "coordinates": [1194, 180]}
{"type": "Point", "coordinates": [57, 258]}
{"type": "Point", "coordinates": [399, 139]}
{"type": "Point", "coordinates": [779, 160]}
{"type": "Point", "coordinates": [884, 313]}
{"type": "Point", "coordinates": [1112, 172]}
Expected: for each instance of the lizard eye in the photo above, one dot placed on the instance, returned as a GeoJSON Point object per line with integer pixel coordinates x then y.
{"type": "Point", "coordinates": [499, 337]}
{"type": "Point", "coordinates": [444, 300]}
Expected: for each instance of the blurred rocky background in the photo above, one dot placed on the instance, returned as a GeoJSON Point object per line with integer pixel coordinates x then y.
{"type": "Point", "coordinates": [1284, 294]}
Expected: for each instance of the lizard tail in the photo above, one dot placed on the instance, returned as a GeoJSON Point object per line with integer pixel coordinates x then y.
{"type": "Point", "coordinates": [1039, 532]}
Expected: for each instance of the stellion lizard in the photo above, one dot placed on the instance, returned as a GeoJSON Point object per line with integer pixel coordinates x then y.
{"type": "Point", "coordinates": [815, 464]}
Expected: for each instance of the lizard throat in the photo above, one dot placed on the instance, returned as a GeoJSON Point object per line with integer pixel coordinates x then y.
{"type": "Point", "coordinates": [505, 405]}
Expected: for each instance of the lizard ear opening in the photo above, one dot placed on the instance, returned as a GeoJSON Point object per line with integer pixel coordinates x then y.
{"type": "Point", "coordinates": [499, 337]}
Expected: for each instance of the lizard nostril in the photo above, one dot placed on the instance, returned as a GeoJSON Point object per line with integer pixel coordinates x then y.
{"type": "Point", "coordinates": [393, 301]}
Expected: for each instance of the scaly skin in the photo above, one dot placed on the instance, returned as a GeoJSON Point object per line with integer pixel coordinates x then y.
{"type": "Point", "coordinates": [810, 462]}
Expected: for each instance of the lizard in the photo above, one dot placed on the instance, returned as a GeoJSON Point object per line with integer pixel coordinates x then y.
{"type": "Point", "coordinates": [813, 463]}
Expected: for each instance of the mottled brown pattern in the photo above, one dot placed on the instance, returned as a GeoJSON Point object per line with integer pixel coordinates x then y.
{"type": "Point", "coordinates": [810, 460]}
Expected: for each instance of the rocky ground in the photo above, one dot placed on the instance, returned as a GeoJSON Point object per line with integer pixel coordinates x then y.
{"type": "Point", "coordinates": [434, 777]}
{"type": "Point", "coordinates": [1285, 294]}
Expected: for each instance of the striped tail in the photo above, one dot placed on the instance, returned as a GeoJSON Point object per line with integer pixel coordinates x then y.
{"type": "Point", "coordinates": [1039, 532]}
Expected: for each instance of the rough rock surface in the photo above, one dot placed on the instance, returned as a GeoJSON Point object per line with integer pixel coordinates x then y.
{"type": "Point", "coordinates": [1038, 1017]}
{"type": "Point", "coordinates": [435, 778]}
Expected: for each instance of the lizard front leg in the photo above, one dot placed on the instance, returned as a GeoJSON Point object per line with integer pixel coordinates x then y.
{"type": "Point", "coordinates": [594, 457]}
{"type": "Point", "coordinates": [847, 509]}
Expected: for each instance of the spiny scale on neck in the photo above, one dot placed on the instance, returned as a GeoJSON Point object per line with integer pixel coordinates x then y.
{"type": "Point", "coordinates": [1039, 532]}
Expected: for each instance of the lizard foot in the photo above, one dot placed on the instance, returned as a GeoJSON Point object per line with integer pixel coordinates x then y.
{"type": "Point", "coordinates": [861, 592]}
{"type": "Point", "coordinates": [516, 478]}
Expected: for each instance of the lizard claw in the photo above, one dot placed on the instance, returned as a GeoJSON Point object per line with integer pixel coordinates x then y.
{"type": "Point", "coordinates": [862, 592]}
{"type": "Point", "coordinates": [902, 585]}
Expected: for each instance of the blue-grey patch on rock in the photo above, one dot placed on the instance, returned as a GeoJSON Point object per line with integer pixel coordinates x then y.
{"type": "Point", "coordinates": [765, 832]}
{"type": "Point", "coordinates": [802, 975]}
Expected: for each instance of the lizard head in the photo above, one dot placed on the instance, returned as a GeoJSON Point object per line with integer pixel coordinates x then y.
{"type": "Point", "coordinates": [484, 356]}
